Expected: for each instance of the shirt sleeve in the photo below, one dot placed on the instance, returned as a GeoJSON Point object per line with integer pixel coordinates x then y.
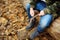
{"type": "Point", "coordinates": [47, 10]}
{"type": "Point", "coordinates": [50, 9]}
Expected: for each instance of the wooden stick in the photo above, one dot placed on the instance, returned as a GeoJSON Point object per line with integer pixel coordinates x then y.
{"type": "Point", "coordinates": [29, 22]}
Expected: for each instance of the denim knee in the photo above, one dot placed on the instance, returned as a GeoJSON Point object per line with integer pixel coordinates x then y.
{"type": "Point", "coordinates": [44, 22]}
{"type": "Point", "coordinates": [40, 6]}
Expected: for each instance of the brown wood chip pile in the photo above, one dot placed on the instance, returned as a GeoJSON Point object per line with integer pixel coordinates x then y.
{"type": "Point", "coordinates": [12, 18]}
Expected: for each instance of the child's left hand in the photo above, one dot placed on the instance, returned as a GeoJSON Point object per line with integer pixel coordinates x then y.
{"type": "Point", "coordinates": [41, 13]}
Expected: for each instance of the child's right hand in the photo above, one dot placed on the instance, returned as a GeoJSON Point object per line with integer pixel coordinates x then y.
{"type": "Point", "coordinates": [31, 12]}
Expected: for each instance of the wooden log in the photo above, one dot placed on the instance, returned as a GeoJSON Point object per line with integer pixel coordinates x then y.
{"type": "Point", "coordinates": [54, 29]}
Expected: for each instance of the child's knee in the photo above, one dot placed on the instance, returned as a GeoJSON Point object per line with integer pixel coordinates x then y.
{"type": "Point", "coordinates": [45, 22]}
{"type": "Point", "coordinates": [40, 6]}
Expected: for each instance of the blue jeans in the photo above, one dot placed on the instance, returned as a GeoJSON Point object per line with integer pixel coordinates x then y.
{"type": "Point", "coordinates": [44, 20]}
{"type": "Point", "coordinates": [43, 23]}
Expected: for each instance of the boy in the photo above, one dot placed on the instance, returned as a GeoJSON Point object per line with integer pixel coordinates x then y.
{"type": "Point", "coordinates": [45, 19]}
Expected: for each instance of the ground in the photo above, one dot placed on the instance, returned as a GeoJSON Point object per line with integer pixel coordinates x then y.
{"type": "Point", "coordinates": [13, 18]}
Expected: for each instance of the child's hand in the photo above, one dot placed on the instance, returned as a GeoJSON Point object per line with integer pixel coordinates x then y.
{"type": "Point", "coordinates": [41, 13]}
{"type": "Point", "coordinates": [31, 12]}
